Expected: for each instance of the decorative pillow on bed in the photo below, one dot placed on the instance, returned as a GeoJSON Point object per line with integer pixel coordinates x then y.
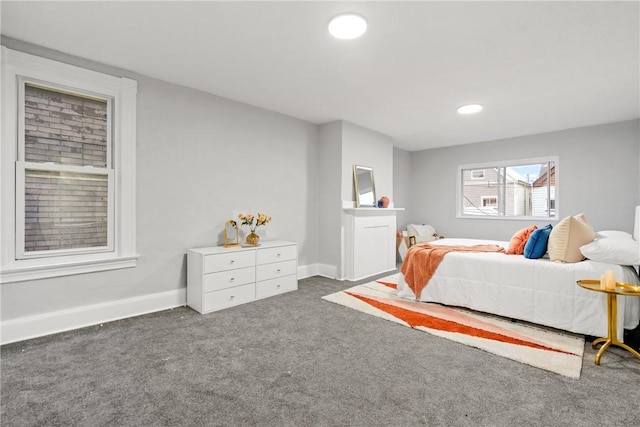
{"type": "Point", "coordinates": [423, 233]}
{"type": "Point", "coordinates": [568, 236]}
{"type": "Point", "coordinates": [614, 250]}
{"type": "Point", "coordinates": [536, 246]}
{"type": "Point", "coordinates": [519, 240]}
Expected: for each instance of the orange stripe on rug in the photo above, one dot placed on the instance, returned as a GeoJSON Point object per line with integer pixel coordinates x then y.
{"type": "Point", "coordinates": [388, 284]}
{"type": "Point", "coordinates": [419, 319]}
{"type": "Point", "coordinates": [448, 314]}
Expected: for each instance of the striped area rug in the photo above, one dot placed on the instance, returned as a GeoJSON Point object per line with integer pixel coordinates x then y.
{"type": "Point", "coordinates": [552, 350]}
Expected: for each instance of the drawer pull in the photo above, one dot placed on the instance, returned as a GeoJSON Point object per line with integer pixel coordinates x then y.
{"type": "Point", "coordinates": [278, 271]}
{"type": "Point", "coordinates": [231, 297]}
{"type": "Point", "coordinates": [278, 286]}
{"type": "Point", "coordinates": [278, 255]}
{"type": "Point", "coordinates": [232, 261]}
{"type": "Point", "coordinates": [232, 279]}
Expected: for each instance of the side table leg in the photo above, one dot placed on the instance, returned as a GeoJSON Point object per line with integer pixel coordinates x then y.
{"type": "Point", "coordinates": [601, 351]}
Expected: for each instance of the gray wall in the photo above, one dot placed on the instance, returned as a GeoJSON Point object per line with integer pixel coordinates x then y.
{"type": "Point", "coordinates": [341, 145]}
{"type": "Point", "coordinates": [330, 187]}
{"type": "Point", "coordinates": [598, 175]}
{"type": "Point", "coordinates": [201, 160]}
{"type": "Point", "coordinates": [402, 188]}
{"type": "Point", "coordinates": [364, 147]}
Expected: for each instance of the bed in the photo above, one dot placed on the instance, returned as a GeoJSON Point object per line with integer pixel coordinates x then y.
{"type": "Point", "coordinates": [534, 290]}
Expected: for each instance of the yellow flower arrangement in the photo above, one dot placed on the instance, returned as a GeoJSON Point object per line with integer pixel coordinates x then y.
{"type": "Point", "coordinates": [254, 221]}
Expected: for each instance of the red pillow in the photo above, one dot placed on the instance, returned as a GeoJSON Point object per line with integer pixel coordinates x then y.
{"type": "Point", "coordinates": [519, 240]}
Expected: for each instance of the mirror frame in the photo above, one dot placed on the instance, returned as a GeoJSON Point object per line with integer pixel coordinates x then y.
{"type": "Point", "coordinates": [359, 204]}
{"type": "Point", "coordinates": [230, 241]}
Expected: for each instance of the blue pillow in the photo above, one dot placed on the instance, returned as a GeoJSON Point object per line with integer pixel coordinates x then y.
{"type": "Point", "coordinates": [536, 246]}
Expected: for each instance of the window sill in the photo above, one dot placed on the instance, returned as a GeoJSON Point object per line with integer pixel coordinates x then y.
{"type": "Point", "coordinates": [509, 218]}
{"type": "Point", "coordinates": [22, 274]}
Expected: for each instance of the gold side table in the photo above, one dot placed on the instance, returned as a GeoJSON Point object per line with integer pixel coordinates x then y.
{"type": "Point", "coordinates": [612, 314]}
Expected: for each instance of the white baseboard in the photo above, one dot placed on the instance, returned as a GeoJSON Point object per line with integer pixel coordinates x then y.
{"type": "Point", "coordinates": [39, 325]}
{"type": "Point", "coordinates": [65, 320]}
{"type": "Point", "coordinates": [324, 270]}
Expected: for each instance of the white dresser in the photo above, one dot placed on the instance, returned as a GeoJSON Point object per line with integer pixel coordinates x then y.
{"type": "Point", "coordinates": [219, 277]}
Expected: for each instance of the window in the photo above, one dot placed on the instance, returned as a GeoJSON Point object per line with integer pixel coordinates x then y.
{"type": "Point", "coordinates": [514, 189]}
{"type": "Point", "coordinates": [477, 174]}
{"type": "Point", "coordinates": [489, 201]}
{"type": "Point", "coordinates": [68, 160]}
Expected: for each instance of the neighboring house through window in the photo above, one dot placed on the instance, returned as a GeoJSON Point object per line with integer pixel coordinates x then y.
{"type": "Point", "coordinates": [68, 169]}
{"type": "Point", "coordinates": [512, 189]}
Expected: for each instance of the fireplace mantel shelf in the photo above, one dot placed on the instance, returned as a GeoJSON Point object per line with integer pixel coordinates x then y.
{"type": "Point", "coordinates": [371, 209]}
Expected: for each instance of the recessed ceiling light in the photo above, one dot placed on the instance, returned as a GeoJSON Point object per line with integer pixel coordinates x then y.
{"type": "Point", "coordinates": [347, 26]}
{"type": "Point", "coordinates": [470, 109]}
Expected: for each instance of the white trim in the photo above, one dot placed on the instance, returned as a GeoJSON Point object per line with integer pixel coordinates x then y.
{"type": "Point", "coordinates": [36, 272]}
{"type": "Point", "coordinates": [329, 271]}
{"type": "Point", "coordinates": [126, 162]}
{"type": "Point", "coordinates": [18, 66]}
{"type": "Point", "coordinates": [317, 269]}
{"type": "Point", "coordinates": [65, 320]}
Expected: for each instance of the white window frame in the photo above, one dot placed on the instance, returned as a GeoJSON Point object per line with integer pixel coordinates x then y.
{"type": "Point", "coordinates": [507, 163]}
{"type": "Point", "coordinates": [18, 68]}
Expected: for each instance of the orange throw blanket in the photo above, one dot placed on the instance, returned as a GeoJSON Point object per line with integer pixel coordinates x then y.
{"type": "Point", "coordinates": [423, 259]}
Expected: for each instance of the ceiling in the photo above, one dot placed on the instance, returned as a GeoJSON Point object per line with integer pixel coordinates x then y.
{"type": "Point", "coordinates": [535, 66]}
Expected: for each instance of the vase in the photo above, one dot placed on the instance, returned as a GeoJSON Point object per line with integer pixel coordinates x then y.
{"type": "Point", "coordinates": [253, 238]}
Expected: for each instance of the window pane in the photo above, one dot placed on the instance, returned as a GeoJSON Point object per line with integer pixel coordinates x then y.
{"type": "Point", "coordinates": [526, 190]}
{"type": "Point", "coordinates": [480, 191]}
{"type": "Point", "coordinates": [544, 191]}
{"type": "Point", "coordinates": [65, 210]}
{"type": "Point", "coordinates": [65, 129]}
{"type": "Point", "coordinates": [517, 201]}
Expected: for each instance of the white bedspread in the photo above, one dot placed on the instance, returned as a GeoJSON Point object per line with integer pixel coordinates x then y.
{"type": "Point", "coordinates": [538, 291]}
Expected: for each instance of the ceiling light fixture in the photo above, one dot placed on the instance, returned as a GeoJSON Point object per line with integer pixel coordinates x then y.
{"type": "Point", "coordinates": [347, 26]}
{"type": "Point", "coordinates": [470, 109]}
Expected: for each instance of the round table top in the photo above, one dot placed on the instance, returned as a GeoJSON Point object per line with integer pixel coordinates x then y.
{"type": "Point", "coordinates": [620, 289]}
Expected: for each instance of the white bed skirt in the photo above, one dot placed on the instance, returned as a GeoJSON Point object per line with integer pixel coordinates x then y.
{"type": "Point", "coordinates": [538, 291]}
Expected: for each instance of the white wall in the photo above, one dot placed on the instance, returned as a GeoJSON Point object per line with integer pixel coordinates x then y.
{"type": "Point", "coordinates": [201, 159]}
{"type": "Point", "coordinates": [598, 175]}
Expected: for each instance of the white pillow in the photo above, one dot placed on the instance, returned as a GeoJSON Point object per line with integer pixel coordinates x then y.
{"type": "Point", "coordinates": [613, 250]}
{"type": "Point", "coordinates": [423, 232]}
{"type": "Point", "coordinates": [613, 233]}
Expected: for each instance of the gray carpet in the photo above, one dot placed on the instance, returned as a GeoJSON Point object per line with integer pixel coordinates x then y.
{"type": "Point", "coordinates": [296, 360]}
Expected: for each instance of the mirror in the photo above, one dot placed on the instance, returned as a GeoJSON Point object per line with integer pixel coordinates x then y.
{"type": "Point", "coordinates": [365, 186]}
{"type": "Point", "coordinates": [230, 234]}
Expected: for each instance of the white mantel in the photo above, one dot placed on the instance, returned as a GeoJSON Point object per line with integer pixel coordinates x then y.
{"type": "Point", "coordinates": [369, 245]}
{"type": "Point", "coordinates": [371, 211]}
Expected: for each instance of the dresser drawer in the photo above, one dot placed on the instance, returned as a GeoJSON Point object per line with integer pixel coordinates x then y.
{"type": "Point", "coordinates": [276, 269]}
{"type": "Point", "coordinates": [267, 288]}
{"type": "Point", "coordinates": [229, 297]}
{"type": "Point", "coordinates": [280, 253]}
{"type": "Point", "coordinates": [229, 278]}
{"type": "Point", "coordinates": [232, 260]}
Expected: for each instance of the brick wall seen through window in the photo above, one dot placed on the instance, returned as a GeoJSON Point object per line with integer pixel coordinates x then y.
{"type": "Point", "coordinates": [65, 210]}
